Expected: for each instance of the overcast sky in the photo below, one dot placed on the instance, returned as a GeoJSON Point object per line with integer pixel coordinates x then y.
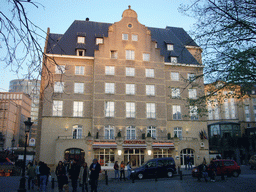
{"type": "Point", "coordinates": [58, 15]}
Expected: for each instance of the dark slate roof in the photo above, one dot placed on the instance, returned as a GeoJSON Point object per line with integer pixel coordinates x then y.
{"type": "Point", "coordinates": [66, 44]}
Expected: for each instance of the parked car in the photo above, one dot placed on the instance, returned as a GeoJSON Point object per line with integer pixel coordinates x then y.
{"type": "Point", "coordinates": [225, 166]}
{"type": "Point", "coordinates": [252, 161]}
{"type": "Point", "coordinates": [163, 167]}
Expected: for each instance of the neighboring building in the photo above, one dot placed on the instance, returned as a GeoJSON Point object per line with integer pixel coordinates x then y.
{"type": "Point", "coordinates": [230, 114]}
{"type": "Point", "coordinates": [14, 110]}
{"type": "Point", "coordinates": [32, 88]}
{"type": "Point", "coordinates": [120, 93]}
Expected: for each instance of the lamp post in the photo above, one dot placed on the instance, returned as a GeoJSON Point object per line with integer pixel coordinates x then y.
{"type": "Point", "coordinates": [22, 187]}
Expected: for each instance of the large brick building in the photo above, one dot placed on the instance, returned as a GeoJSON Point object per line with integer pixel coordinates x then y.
{"type": "Point", "coordinates": [120, 92]}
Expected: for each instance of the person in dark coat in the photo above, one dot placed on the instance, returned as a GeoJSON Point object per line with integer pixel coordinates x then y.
{"type": "Point", "coordinates": [73, 174]}
{"type": "Point", "coordinates": [44, 173]}
{"type": "Point", "coordinates": [61, 175]}
{"type": "Point", "coordinates": [212, 171]}
{"type": "Point", "coordinates": [95, 169]}
{"type": "Point", "coordinates": [203, 171]}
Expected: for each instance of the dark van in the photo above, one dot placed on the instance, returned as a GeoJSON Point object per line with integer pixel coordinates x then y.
{"type": "Point", "coordinates": [163, 167]}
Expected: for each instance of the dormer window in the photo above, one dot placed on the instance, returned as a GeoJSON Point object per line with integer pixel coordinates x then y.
{"type": "Point", "coordinates": [99, 40]}
{"type": "Point", "coordinates": [125, 36]}
{"type": "Point", "coordinates": [169, 47]}
{"type": "Point", "coordinates": [80, 39]}
{"type": "Point", "coordinates": [174, 60]}
{"type": "Point", "coordinates": [80, 52]}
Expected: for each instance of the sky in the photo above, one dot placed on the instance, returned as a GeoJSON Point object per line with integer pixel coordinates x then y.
{"type": "Point", "coordinates": [58, 15]}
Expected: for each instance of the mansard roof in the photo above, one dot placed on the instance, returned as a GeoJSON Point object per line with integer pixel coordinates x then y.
{"type": "Point", "coordinates": [66, 44]}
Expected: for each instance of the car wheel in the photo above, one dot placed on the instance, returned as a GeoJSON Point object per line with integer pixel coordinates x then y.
{"type": "Point", "coordinates": [169, 174]}
{"type": "Point", "coordinates": [140, 176]}
{"type": "Point", "coordinates": [235, 174]}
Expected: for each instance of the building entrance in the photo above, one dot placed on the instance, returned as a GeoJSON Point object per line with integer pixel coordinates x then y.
{"type": "Point", "coordinates": [74, 154]}
{"type": "Point", "coordinates": [184, 153]}
{"type": "Point", "coordinates": [135, 156]}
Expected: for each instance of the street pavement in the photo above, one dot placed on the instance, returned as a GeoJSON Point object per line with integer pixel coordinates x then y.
{"type": "Point", "coordinates": [245, 182]}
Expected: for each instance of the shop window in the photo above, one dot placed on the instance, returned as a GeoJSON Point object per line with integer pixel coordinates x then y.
{"type": "Point", "coordinates": [106, 157]}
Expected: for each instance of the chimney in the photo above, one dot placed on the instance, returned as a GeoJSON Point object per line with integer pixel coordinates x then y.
{"type": "Point", "coordinates": [87, 19]}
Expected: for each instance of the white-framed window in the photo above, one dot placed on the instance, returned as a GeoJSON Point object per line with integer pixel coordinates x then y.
{"type": "Point", "coordinates": [130, 54]}
{"type": "Point", "coordinates": [57, 108]}
{"type": "Point", "coordinates": [176, 112]}
{"type": "Point", "coordinates": [124, 36]}
{"type": "Point", "coordinates": [130, 71]}
{"type": "Point", "coordinates": [130, 89]}
{"type": "Point", "coordinates": [169, 47]}
{"type": "Point", "coordinates": [99, 40]}
{"type": "Point", "coordinates": [80, 52]}
{"type": "Point", "coordinates": [146, 56]}
{"type": "Point", "coordinates": [58, 87]}
{"type": "Point", "coordinates": [130, 109]}
{"type": "Point", "coordinates": [130, 132]}
{"type": "Point", "coordinates": [78, 87]}
{"type": "Point", "coordinates": [60, 69]}
{"type": "Point", "coordinates": [113, 54]}
{"type": "Point", "coordinates": [191, 77]}
{"type": "Point", "coordinates": [109, 109]}
{"type": "Point", "coordinates": [110, 88]}
{"type": "Point", "coordinates": [174, 60]}
{"type": "Point", "coordinates": [192, 93]}
{"type": "Point", "coordinates": [80, 39]}
{"type": "Point", "coordinates": [175, 76]}
{"type": "Point", "coordinates": [79, 70]}
{"type": "Point", "coordinates": [78, 108]}
{"type": "Point", "coordinates": [151, 110]}
{"type": "Point", "coordinates": [109, 70]}
{"type": "Point", "coordinates": [193, 112]}
{"type": "Point", "coordinates": [150, 73]}
{"type": "Point", "coordinates": [178, 132]}
{"type": "Point", "coordinates": [232, 108]}
{"type": "Point", "coordinates": [247, 113]}
{"type": "Point", "coordinates": [77, 131]}
{"type": "Point", "coordinates": [109, 132]}
{"type": "Point", "coordinates": [150, 90]}
{"type": "Point", "coordinates": [134, 37]}
{"type": "Point", "coordinates": [226, 109]}
{"type": "Point", "coordinates": [152, 131]}
{"type": "Point", "coordinates": [175, 93]}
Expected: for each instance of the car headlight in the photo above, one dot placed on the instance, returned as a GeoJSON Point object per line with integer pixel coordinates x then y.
{"type": "Point", "coordinates": [133, 171]}
{"type": "Point", "coordinates": [195, 170]}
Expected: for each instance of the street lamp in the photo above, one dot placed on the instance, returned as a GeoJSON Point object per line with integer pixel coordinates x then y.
{"type": "Point", "coordinates": [28, 125]}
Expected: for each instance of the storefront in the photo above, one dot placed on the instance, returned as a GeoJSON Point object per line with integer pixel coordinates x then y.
{"type": "Point", "coordinates": [163, 150]}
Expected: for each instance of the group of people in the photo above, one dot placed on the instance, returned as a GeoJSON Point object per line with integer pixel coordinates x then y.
{"type": "Point", "coordinates": [122, 170]}
{"type": "Point", "coordinates": [77, 173]}
{"type": "Point", "coordinates": [188, 162]}
{"type": "Point", "coordinates": [38, 174]}
{"type": "Point", "coordinates": [207, 171]}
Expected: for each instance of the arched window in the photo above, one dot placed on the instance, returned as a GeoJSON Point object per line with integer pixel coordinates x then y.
{"type": "Point", "coordinates": [77, 132]}
{"type": "Point", "coordinates": [187, 152]}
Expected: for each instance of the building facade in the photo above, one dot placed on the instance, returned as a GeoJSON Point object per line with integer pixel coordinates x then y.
{"type": "Point", "coordinates": [120, 92]}
{"type": "Point", "coordinates": [14, 110]}
{"type": "Point", "coordinates": [32, 88]}
{"type": "Point", "coordinates": [231, 114]}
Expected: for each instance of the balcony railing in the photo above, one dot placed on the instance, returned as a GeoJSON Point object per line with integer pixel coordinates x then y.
{"type": "Point", "coordinates": [70, 137]}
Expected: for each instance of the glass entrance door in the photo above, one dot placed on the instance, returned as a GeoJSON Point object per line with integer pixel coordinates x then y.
{"type": "Point", "coordinates": [135, 156]}
{"type": "Point", "coordinates": [183, 155]}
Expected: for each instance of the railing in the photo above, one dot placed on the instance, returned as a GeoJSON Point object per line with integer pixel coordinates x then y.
{"type": "Point", "coordinates": [71, 137]}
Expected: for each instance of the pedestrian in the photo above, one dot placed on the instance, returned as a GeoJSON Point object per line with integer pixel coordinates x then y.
{"type": "Point", "coordinates": [186, 161]}
{"type": "Point", "coordinates": [31, 175]}
{"type": "Point", "coordinates": [95, 169]}
{"type": "Point", "coordinates": [73, 174]}
{"type": "Point", "coordinates": [38, 175]}
{"type": "Point", "coordinates": [129, 170]}
{"type": "Point", "coordinates": [44, 173]}
{"type": "Point", "coordinates": [116, 168]}
{"type": "Point", "coordinates": [83, 176]}
{"type": "Point", "coordinates": [203, 171]}
{"type": "Point", "coordinates": [122, 173]}
{"type": "Point", "coordinates": [212, 171]}
{"type": "Point", "coordinates": [190, 163]}
{"type": "Point", "coordinates": [61, 175]}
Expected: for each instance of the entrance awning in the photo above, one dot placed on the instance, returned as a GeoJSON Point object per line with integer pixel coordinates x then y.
{"type": "Point", "coordinates": [163, 145]}
{"type": "Point", "coordinates": [97, 145]}
{"type": "Point", "coordinates": [134, 146]}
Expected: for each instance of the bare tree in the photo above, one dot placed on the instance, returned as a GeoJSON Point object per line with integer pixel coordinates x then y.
{"type": "Point", "coordinates": [226, 30]}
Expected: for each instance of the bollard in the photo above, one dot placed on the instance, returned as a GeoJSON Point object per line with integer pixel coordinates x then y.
{"type": "Point", "coordinates": [106, 177]}
{"type": "Point", "coordinates": [52, 183]}
{"type": "Point", "coordinates": [178, 169]}
{"type": "Point", "coordinates": [180, 175]}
